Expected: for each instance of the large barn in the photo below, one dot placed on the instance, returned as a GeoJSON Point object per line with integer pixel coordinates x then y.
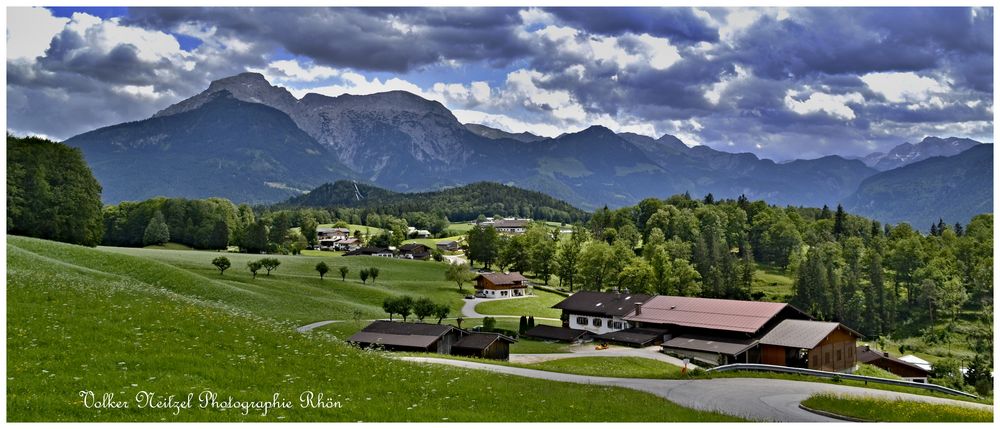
{"type": "Point", "coordinates": [715, 331]}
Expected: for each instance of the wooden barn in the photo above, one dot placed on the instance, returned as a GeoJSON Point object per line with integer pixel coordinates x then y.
{"type": "Point", "coordinates": [483, 345]}
{"type": "Point", "coordinates": [412, 337]}
{"type": "Point", "coordinates": [824, 346]}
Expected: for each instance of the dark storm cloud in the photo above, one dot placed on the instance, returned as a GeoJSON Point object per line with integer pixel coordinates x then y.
{"type": "Point", "coordinates": [859, 41]}
{"type": "Point", "coordinates": [680, 25]}
{"type": "Point", "coordinates": [76, 87]}
{"type": "Point", "coordinates": [377, 39]}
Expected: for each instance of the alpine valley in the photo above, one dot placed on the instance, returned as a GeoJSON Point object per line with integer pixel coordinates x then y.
{"type": "Point", "coordinates": [249, 141]}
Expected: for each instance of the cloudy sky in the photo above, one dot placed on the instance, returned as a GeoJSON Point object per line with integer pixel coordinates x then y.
{"type": "Point", "coordinates": [782, 83]}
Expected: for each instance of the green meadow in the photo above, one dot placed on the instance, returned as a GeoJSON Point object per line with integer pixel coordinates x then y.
{"type": "Point", "coordinates": [125, 321]}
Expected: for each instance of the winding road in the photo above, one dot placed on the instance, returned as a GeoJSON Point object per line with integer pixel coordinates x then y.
{"type": "Point", "coordinates": [761, 399]}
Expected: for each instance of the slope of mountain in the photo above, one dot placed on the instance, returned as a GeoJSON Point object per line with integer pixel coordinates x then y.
{"type": "Point", "coordinates": [393, 138]}
{"type": "Point", "coordinates": [494, 134]}
{"type": "Point", "coordinates": [954, 188]}
{"type": "Point", "coordinates": [461, 203]}
{"type": "Point", "coordinates": [701, 170]}
{"type": "Point", "coordinates": [223, 147]}
{"type": "Point", "coordinates": [907, 153]}
{"type": "Point", "coordinates": [403, 142]}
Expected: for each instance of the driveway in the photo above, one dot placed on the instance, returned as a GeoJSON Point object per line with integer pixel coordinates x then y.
{"type": "Point", "coordinates": [456, 259]}
{"type": "Point", "coordinates": [760, 399]}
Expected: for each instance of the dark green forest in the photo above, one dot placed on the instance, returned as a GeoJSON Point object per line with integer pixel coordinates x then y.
{"type": "Point", "coordinates": [51, 193]}
{"type": "Point", "coordinates": [459, 204]}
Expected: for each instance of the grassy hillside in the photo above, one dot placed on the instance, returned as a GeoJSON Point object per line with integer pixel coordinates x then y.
{"type": "Point", "coordinates": [118, 322]}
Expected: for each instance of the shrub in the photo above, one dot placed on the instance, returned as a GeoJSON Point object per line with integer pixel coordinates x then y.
{"type": "Point", "coordinates": [322, 268]}
{"type": "Point", "coordinates": [270, 264]}
{"type": "Point", "coordinates": [254, 266]}
{"type": "Point", "coordinates": [222, 263]}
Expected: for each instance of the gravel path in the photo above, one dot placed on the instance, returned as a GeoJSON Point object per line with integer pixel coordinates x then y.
{"type": "Point", "coordinates": [759, 399]}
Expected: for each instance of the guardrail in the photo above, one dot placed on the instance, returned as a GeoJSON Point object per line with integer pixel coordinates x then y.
{"type": "Point", "coordinates": [827, 374]}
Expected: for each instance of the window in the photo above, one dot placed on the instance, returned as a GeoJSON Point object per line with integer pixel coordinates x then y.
{"type": "Point", "coordinates": [616, 325]}
{"type": "Point", "coordinates": [839, 355]}
{"type": "Point", "coordinates": [597, 323]}
{"type": "Point", "coordinates": [582, 321]}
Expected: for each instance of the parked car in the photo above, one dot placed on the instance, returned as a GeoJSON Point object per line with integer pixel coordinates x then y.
{"type": "Point", "coordinates": [470, 297]}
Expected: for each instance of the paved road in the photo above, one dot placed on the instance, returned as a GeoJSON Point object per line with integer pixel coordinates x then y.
{"type": "Point", "coordinates": [587, 350]}
{"type": "Point", "coordinates": [753, 398]}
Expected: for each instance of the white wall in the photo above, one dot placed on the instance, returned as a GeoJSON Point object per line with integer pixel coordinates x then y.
{"type": "Point", "coordinates": [603, 329]}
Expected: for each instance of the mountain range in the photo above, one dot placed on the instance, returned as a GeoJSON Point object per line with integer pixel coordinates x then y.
{"type": "Point", "coordinates": [250, 141]}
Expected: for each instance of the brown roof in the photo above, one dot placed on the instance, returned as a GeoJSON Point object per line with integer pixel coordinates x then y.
{"type": "Point", "coordinates": [410, 247]}
{"type": "Point", "coordinates": [379, 338]}
{"type": "Point", "coordinates": [557, 333]}
{"type": "Point", "coordinates": [481, 340]}
{"type": "Point", "coordinates": [721, 314]}
{"type": "Point", "coordinates": [802, 334]}
{"type": "Point", "coordinates": [867, 355]}
{"type": "Point", "coordinates": [503, 278]}
{"type": "Point", "coordinates": [726, 346]}
{"type": "Point", "coordinates": [633, 336]}
{"type": "Point", "coordinates": [511, 223]}
{"type": "Point", "coordinates": [605, 303]}
{"type": "Point", "coordinates": [406, 328]}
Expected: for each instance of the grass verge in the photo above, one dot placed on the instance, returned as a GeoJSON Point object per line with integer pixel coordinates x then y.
{"type": "Point", "coordinates": [894, 410]}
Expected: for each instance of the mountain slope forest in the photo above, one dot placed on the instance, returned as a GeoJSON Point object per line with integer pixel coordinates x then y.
{"type": "Point", "coordinates": [944, 187]}
{"type": "Point", "coordinates": [215, 144]}
{"type": "Point", "coordinates": [458, 204]}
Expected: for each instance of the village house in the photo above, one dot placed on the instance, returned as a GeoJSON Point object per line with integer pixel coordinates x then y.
{"type": "Point", "coordinates": [371, 251]}
{"type": "Point", "coordinates": [347, 244]}
{"type": "Point", "coordinates": [332, 233]}
{"type": "Point", "coordinates": [447, 246]}
{"type": "Point", "coordinates": [598, 312]}
{"type": "Point", "coordinates": [410, 337]}
{"type": "Point", "coordinates": [501, 285]}
{"type": "Point", "coordinates": [511, 226]}
{"type": "Point", "coordinates": [907, 370]}
{"type": "Point", "coordinates": [415, 251]}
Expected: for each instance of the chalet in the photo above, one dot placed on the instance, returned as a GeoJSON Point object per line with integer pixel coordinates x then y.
{"type": "Point", "coordinates": [907, 370]}
{"type": "Point", "coordinates": [332, 233]}
{"type": "Point", "coordinates": [415, 251]}
{"type": "Point", "coordinates": [598, 312]}
{"type": "Point", "coordinates": [422, 233]}
{"type": "Point", "coordinates": [485, 345]}
{"type": "Point", "coordinates": [412, 337]}
{"type": "Point", "coordinates": [511, 226]}
{"type": "Point", "coordinates": [824, 346]}
{"type": "Point", "coordinates": [557, 333]}
{"type": "Point", "coordinates": [447, 246]}
{"type": "Point", "coordinates": [347, 244]}
{"type": "Point", "coordinates": [370, 251]}
{"type": "Point", "coordinates": [494, 285]}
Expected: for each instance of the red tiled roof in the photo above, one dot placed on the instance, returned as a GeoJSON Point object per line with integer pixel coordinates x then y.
{"type": "Point", "coordinates": [722, 314]}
